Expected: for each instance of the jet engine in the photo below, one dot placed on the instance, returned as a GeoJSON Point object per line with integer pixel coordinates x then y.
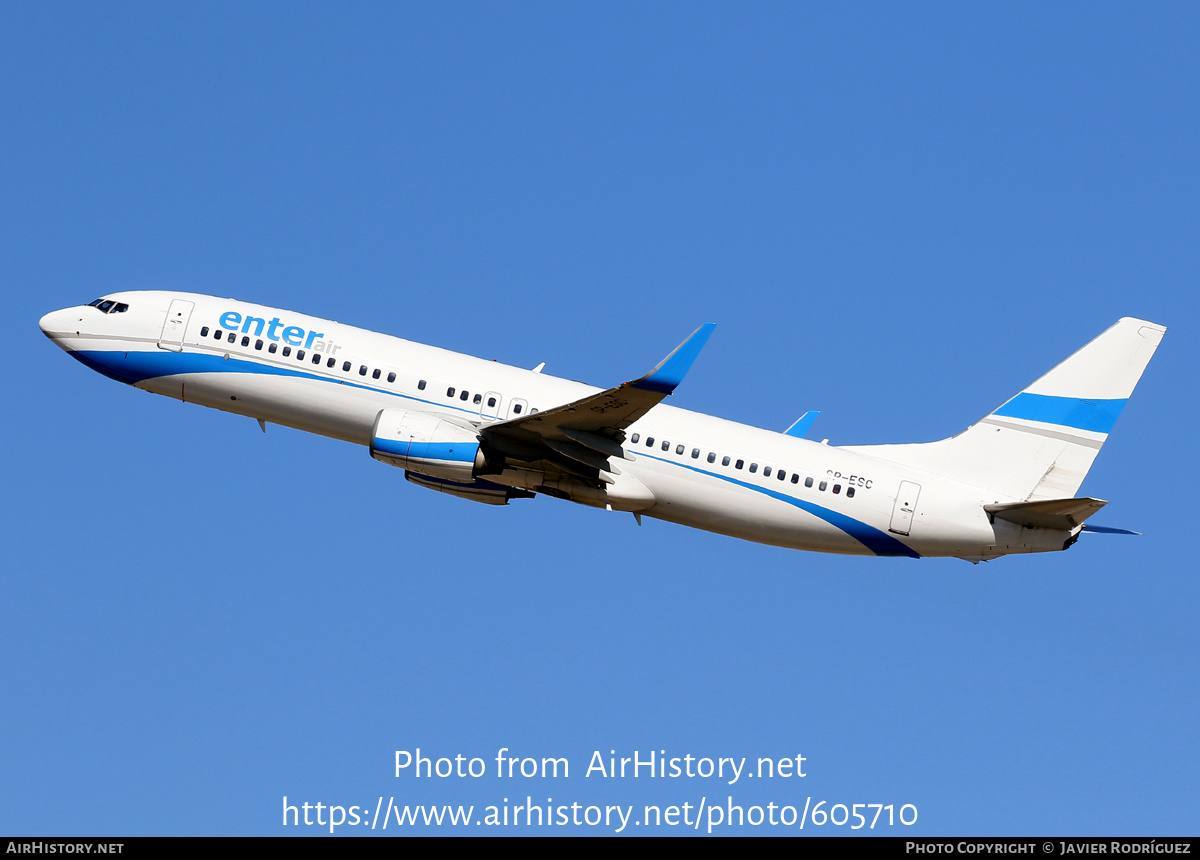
{"type": "Point", "coordinates": [426, 444]}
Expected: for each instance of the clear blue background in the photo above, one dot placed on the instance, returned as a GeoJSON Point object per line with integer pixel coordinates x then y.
{"type": "Point", "coordinates": [899, 214]}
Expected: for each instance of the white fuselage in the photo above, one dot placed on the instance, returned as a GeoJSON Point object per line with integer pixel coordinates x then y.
{"type": "Point", "coordinates": [332, 379]}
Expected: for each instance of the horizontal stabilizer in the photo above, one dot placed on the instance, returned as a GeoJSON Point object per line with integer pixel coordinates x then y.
{"type": "Point", "coordinates": [803, 424]}
{"type": "Point", "coordinates": [1108, 530]}
{"type": "Point", "coordinates": [1064, 514]}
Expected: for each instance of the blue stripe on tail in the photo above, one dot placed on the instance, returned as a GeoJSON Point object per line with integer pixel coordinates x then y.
{"type": "Point", "coordinates": [1098, 416]}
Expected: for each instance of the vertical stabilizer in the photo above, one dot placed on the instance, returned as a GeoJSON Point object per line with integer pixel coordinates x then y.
{"type": "Point", "coordinates": [1041, 443]}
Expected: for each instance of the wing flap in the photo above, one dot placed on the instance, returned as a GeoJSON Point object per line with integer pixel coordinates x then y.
{"type": "Point", "coordinates": [583, 455]}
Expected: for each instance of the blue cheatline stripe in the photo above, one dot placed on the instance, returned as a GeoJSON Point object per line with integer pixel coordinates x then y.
{"type": "Point", "coordinates": [872, 538]}
{"type": "Point", "coordinates": [1098, 416]}
{"type": "Point", "coordinates": [135, 367]}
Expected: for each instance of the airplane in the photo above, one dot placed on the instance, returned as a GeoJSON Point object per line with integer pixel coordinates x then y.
{"type": "Point", "coordinates": [489, 432]}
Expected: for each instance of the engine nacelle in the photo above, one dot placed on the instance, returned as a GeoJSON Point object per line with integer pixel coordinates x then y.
{"type": "Point", "coordinates": [426, 444]}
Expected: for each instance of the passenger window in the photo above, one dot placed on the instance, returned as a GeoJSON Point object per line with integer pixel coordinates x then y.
{"type": "Point", "coordinates": [465, 394]}
{"type": "Point", "coordinates": [665, 445]}
{"type": "Point", "coordinates": [781, 475]}
{"type": "Point", "coordinates": [273, 348]}
{"type": "Point", "coordinates": [634, 438]}
{"type": "Point", "coordinates": [649, 441]}
{"type": "Point", "coordinates": [766, 471]}
{"type": "Point", "coordinates": [724, 461]}
{"type": "Point", "coordinates": [795, 478]}
{"type": "Point", "coordinates": [299, 355]}
{"type": "Point", "coordinates": [392, 378]}
{"type": "Point", "coordinates": [478, 398]}
{"type": "Point", "coordinates": [695, 453]}
{"type": "Point", "coordinates": [837, 488]}
{"type": "Point", "coordinates": [375, 373]}
{"type": "Point", "coordinates": [491, 402]}
{"type": "Point", "coordinates": [420, 385]}
{"type": "Point", "coordinates": [516, 409]}
{"type": "Point", "coordinates": [362, 370]}
{"type": "Point", "coordinates": [258, 344]}
{"type": "Point", "coordinates": [331, 362]}
{"type": "Point", "coordinates": [204, 332]}
{"type": "Point", "coordinates": [849, 492]}
{"type": "Point", "coordinates": [739, 464]}
{"type": "Point", "coordinates": [287, 350]}
{"type": "Point", "coordinates": [219, 334]}
{"type": "Point", "coordinates": [754, 467]}
{"type": "Point", "coordinates": [316, 358]}
{"type": "Point", "coordinates": [822, 486]}
{"type": "Point", "coordinates": [245, 341]}
{"type": "Point", "coordinates": [808, 482]}
{"type": "Point", "coordinates": [712, 456]}
{"type": "Point", "coordinates": [232, 337]}
{"type": "Point", "coordinates": [678, 449]}
{"type": "Point", "coordinates": [449, 392]}
{"type": "Point", "coordinates": [345, 367]}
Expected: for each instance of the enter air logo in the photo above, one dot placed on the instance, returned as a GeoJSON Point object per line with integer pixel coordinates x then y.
{"type": "Point", "coordinates": [275, 330]}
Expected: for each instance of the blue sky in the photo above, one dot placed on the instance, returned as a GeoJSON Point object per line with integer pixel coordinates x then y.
{"type": "Point", "coordinates": [897, 214]}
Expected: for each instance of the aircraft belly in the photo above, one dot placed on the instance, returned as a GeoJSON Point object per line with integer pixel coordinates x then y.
{"type": "Point", "coordinates": [744, 513]}
{"type": "Point", "coordinates": [316, 406]}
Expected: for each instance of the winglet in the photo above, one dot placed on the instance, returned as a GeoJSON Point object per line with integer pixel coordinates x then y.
{"type": "Point", "coordinates": [803, 424]}
{"type": "Point", "coordinates": [671, 370]}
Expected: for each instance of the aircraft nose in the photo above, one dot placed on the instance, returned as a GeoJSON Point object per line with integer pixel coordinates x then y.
{"type": "Point", "coordinates": [57, 324]}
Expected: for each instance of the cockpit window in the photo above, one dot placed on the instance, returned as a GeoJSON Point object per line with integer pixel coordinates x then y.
{"type": "Point", "coordinates": [108, 306]}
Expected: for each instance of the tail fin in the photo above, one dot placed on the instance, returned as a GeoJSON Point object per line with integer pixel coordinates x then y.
{"type": "Point", "coordinates": [1041, 443]}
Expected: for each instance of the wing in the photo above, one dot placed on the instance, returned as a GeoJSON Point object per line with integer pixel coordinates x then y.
{"type": "Point", "coordinates": [580, 437]}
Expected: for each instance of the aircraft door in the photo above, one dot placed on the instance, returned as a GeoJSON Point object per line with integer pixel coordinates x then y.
{"type": "Point", "coordinates": [490, 408]}
{"type": "Point", "coordinates": [906, 507]}
{"type": "Point", "coordinates": [175, 325]}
